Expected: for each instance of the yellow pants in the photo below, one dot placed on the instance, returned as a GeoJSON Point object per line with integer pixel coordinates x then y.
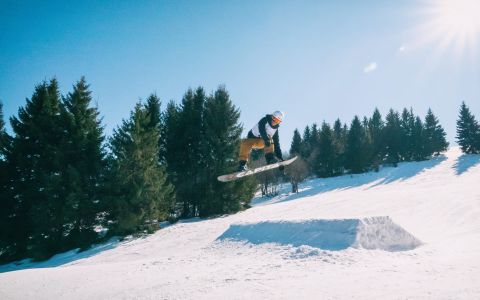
{"type": "Point", "coordinates": [254, 143]}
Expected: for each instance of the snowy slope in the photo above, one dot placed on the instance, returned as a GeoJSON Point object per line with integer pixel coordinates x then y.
{"type": "Point", "coordinates": [411, 232]}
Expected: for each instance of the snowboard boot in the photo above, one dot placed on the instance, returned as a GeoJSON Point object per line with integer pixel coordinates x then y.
{"type": "Point", "coordinates": [270, 157]}
{"type": "Point", "coordinates": [242, 166]}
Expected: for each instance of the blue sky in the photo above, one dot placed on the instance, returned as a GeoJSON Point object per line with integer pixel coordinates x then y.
{"type": "Point", "coordinates": [315, 60]}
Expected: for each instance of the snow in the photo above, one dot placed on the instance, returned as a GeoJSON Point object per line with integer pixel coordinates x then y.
{"type": "Point", "coordinates": [367, 233]}
{"type": "Point", "coordinates": [411, 232]}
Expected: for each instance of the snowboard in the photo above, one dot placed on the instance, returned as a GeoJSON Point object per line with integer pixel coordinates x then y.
{"type": "Point", "coordinates": [237, 175]}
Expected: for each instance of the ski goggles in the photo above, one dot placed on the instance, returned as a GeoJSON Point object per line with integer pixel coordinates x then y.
{"type": "Point", "coordinates": [276, 120]}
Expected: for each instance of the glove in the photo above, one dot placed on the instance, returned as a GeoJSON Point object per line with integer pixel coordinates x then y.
{"type": "Point", "coordinates": [267, 143]}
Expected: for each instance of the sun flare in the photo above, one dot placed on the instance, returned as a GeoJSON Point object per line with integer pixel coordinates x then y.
{"type": "Point", "coordinates": [451, 25]}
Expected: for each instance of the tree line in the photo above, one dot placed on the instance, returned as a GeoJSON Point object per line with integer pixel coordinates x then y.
{"type": "Point", "coordinates": [367, 143]}
{"type": "Point", "coordinates": [65, 185]}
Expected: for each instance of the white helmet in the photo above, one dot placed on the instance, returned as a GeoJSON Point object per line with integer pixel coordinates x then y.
{"type": "Point", "coordinates": [279, 115]}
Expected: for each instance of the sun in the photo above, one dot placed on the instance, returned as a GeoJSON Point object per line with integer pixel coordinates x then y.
{"type": "Point", "coordinates": [451, 25]}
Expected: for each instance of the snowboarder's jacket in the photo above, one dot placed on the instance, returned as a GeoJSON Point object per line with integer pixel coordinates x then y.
{"type": "Point", "coordinates": [267, 131]}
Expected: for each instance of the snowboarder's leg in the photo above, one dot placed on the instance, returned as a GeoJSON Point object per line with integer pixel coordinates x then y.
{"type": "Point", "coordinates": [270, 158]}
{"type": "Point", "coordinates": [269, 154]}
{"type": "Point", "coordinates": [245, 147]}
{"type": "Point", "coordinates": [248, 144]}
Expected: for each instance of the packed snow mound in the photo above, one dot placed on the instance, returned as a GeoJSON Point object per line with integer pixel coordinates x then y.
{"type": "Point", "coordinates": [366, 233]}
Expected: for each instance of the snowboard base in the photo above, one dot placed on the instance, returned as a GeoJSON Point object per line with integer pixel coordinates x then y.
{"type": "Point", "coordinates": [237, 175]}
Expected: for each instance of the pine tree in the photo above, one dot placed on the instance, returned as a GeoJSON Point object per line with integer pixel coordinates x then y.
{"type": "Point", "coordinates": [306, 144]}
{"type": "Point", "coordinates": [153, 106]}
{"type": "Point", "coordinates": [419, 141]}
{"type": "Point", "coordinates": [170, 140]}
{"type": "Point", "coordinates": [314, 148]}
{"type": "Point", "coordinates": [7, 239]}
{"type": "Point", "coordinates": [38, 174]}
{"type": "Point", "coordinates": [392, 137]}
{"type": "Point", "coordinates": [355, 159]}
{"type": "Point", "coordinates": [191, 165]}
{"type": "Point", "coordinates": [365, 123]}
{"type": "Point", "coordinates": [5, 141]}
{"type": "Point", "coordinates": [140, 192]}
{"type": "Point", "coordinates": [407, 124]}
{"type": "Point", "coordinates": [434, 135]}
{"type": "Point", "coordinates": [84, 166]}
{"type": "Point", "coordinates": [295, 148]}
{"type": "Point", "coordinates": [3, 135]}
{"type": "Point", "coordinates": [339, 140]}
{"type": "Point", "coordinates": [324, 163]}
{"type": "Point", "coordinates": [314, 138]}
{"type": "Point", "coordinates": [468, 131]}
{"type": "Point", "coordinates": [375, 129]}
{"type": "Point", "coordinates": [220, 149]}
{"type": "Point", "coordinates": [367, 144]}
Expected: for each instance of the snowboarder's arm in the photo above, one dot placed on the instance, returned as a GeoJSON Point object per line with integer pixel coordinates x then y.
{"type": "Point", "coordinates": [263, 131]}
{"type": "Point", "coordinates": [276, 144]}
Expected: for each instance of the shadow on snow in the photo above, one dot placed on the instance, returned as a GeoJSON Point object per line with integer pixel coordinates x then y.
{"type": "Point", "coordinates": [60, 259]}
{"type": "Point", "coordinates": [74, 255]}
{"type": "Point", "coordinates": [386, 175]}
{"type": "Point", "coordinates": [333, 235]}
{"type": "Point", "coordinates": [465, 162]}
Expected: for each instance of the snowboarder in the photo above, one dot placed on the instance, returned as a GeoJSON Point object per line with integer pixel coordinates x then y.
{"type": "Point", "coordinates": [264, 135]}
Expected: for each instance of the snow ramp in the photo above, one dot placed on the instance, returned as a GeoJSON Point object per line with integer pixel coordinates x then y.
{"type": "Point", "coordinates": [335, 235]}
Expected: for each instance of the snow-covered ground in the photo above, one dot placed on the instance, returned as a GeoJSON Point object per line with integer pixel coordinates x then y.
{"type": "Point", "coordinates": [411, 232]}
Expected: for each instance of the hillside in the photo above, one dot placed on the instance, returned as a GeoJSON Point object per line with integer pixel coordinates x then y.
{"type": "Point", "coordinates": [408, 232]}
